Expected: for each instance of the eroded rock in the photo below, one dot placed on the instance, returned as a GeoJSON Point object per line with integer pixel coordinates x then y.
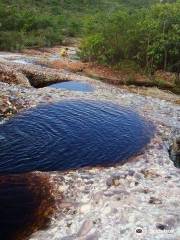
{"type": "Point", "coordinates": [12, 76]}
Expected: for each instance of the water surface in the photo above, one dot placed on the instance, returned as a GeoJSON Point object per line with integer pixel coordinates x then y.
{"type": "Point", "coordinates": [73, 86]}
{"type": "Point", "coordinates": [71, 134]}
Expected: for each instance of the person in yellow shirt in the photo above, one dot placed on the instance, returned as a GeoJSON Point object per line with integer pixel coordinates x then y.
{"type": "Point", "coordinates": [64, 52]}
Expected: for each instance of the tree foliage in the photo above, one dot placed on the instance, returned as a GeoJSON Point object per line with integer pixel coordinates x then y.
{"type": "Point", "coordinates": [30, 23]}
{"type": "Point", "coordinates": [149, 36]}
{"type": "Point", "coordinates": [142, 31]}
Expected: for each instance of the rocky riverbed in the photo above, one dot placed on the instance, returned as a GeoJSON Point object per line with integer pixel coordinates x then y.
{"type": "Point", "coordinates": [136, 200]}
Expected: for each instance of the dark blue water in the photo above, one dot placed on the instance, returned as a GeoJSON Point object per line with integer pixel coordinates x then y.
{"type": "Point", "coordinates": [71, 134]}
{"type": "Point", "coordinates": [25, 205]}
{"type": "Point", "coordinates": [73, 86]}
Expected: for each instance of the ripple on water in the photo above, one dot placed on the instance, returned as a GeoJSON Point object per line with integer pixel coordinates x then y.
{"type": "Point", "coordinates": [71, 134]}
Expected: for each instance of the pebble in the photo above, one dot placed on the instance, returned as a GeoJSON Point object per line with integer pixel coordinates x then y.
{"type": "Point", "coordinates": [107, 210]}
{"type": "Point", "coordinates": [97, 197]}
{"type": "Point", "coordinates": [85, 228]}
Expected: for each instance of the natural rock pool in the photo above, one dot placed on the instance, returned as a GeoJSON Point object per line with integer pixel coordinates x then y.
{"type": "Point", "coordinates": [71, 134]}
{"type": "Point", "coordinates": [73, 86]}
{"type": "Point", "coordinates": [26, 202]}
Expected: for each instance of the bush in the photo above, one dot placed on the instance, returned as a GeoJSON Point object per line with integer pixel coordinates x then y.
{"type": "Point", "coordinates": [11, 40]}
{"type": "Point", "coordinates": [92, 48]}
{"type": "Point", "coordinates": [150, 37]}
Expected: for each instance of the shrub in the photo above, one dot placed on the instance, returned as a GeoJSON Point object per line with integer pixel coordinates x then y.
{"type": "Point", "coordinates": [150, 37]}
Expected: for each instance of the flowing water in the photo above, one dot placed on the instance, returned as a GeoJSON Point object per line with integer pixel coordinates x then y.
{"type": "Point", "coordinates": [73, 86]}
{"type": "Point", "coordinates": [71, 134]}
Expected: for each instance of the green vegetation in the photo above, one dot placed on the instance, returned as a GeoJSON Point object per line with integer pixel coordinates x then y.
{"type": "Point", "coordinates": [37, 23]}
{"type": "Point", "coordinates": [143, 34]}
{"type": "Point", "coordinates": [147, 37]}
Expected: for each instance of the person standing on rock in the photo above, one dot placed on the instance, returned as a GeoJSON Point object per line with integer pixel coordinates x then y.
{"type": "Point", "coordinates": [64, 52]}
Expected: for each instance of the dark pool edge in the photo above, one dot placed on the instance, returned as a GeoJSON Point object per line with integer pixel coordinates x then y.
{"type": "Point", "coordinates": [42, 191]}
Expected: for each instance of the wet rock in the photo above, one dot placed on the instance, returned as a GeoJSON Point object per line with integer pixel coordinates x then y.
{"type": "Point", "coordinates": [115, 180]}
